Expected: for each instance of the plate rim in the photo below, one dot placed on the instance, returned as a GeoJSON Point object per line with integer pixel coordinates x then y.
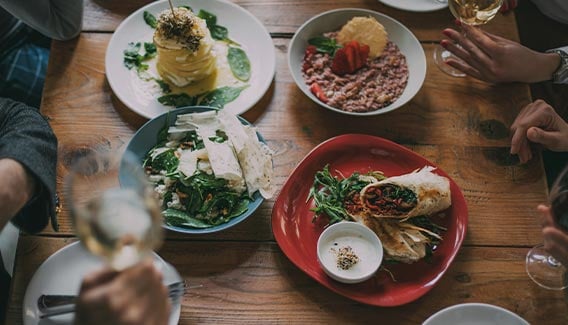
{"type": "Point", "coordinates": [474, 304]}
{"type": "Point", "coordinates": [395, 5]}
{"type": "Point", "coordinates": [445, 265]}
{"type": "Point", "coordinates": [253, 205]}
{"type": "Point", "coordinates": [131, 106]}
{"type": "Point", "coordinates": [421, 77]}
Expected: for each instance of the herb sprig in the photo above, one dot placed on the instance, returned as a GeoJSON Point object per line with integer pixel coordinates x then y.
{"type": "Point", "coordinates": [329, 193]}
{"type": "Point", "coordinates": [325, 44]}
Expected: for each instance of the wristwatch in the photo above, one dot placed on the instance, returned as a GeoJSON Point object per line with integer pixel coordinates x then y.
{"type": "Point", "coordinates": [561, 74]}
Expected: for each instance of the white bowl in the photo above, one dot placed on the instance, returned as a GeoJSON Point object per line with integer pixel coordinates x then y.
{"type": "Point", "coordinates": [475, 313]}
{"type": "Point", "coordinates": [333, 20]}
{"type": "Point", "coordinates": [364, 243]}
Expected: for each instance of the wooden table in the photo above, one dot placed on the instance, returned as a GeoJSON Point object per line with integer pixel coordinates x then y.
{"type": "Point", "coordinates": [459, 124]}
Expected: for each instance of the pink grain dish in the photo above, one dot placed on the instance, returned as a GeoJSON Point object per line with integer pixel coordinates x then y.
{"type": "Point", "coordinates": [376, 85]}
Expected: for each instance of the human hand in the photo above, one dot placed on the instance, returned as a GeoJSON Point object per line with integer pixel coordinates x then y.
{"type": "Point", "coordinates": [133, 296]}
{"type": "Point", "coordinates": [18, 186]}
{"type": "Point", "coordinates": [495, 59]}
{"type": "Point", "coordinates": [555, 239]}
{"type": "Point", "coordinates": [538, 123]}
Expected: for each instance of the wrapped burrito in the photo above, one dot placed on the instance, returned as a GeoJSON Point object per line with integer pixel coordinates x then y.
{"type": "Point", "coordinates": [415, 194]}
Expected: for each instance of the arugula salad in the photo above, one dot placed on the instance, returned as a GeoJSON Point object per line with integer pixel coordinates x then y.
{"type": "Point", "coordinates": [138, 55]}
{"type": "Point", "coordinates": [206, 168]}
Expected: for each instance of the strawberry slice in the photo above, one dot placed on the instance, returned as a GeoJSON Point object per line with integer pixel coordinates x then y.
{"type": "Point", "coordinates": [339, 65]}
{"type": "Point", "coordinates": [351, 57]}
{"type": "Point", "coordinates": [364, 53]}
{"type": "Point", "coordinates": [357, 56]}
{"type": "Point", "coordinates": [318, 92]}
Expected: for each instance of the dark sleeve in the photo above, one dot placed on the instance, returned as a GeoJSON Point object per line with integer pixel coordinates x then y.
{"type": "Point", "coordinates": [26, 137]}
{"type": "Point", "coordinates": [57, 19]}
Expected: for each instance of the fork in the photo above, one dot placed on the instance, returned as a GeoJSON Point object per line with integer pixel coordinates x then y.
{"type": "Point", "coordinates": [54, 305]}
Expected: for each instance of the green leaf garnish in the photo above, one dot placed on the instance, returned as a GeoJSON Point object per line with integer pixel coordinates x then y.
{"type": "Point", "coordinates": [221, 96]}
{"type": "Point", "coordinates": [239, 63]}
{"type": "Point", "coordinates": [177, 100]}
{"type": "Point", "coordinates": [150, 19]}
{"type": "Point", "coordinates": [325, 44]}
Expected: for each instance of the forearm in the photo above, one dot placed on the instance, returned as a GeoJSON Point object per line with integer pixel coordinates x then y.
{"type": "Point", "coordinates": [18, 188]}
{"type": "Point", "coordinates": [543, 67]}
{"type": "Point", "coordinates": [57, 19]}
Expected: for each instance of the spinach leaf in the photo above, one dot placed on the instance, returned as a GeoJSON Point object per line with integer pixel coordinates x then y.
{"type": "Point", "coordinates": [177, 100]}
{"type": "Point", "coordinates": [240, 208]}
{"type": "Point", "coordinates": [150, 49]}
{"type": "Point", "coordinates": [132, 49]}
{"type": "Point", "coordinates": [192, 137]}
{"type": "Point", "coordinates": [133, 59]}
{"type": "Point", "coordinates": [163, 85]}
{"type": "Point", "coordinates": [186, 7]}
{"type": "Point", "coordinates": [166, 161]}
{"type": "Point", "coordinates": [210, 19]}
{"type": "Point", "coordinates": [218, 32]}
{"type": "Point", "coordinates": [150, 19]}
{"type": "Point", "coordinates": [178, 218]}
{"type": "Point", "coordinates": [221, 96]}
{"type": "Point", "coordinates": [239, 63]}
{"type": "Point", "coordinates": [325, 44]}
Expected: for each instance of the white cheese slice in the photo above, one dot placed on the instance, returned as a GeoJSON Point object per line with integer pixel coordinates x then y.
{"type": "Point", "coordinates": [224, 163]}
{"type": "Point", "coordinates": [188, 161]}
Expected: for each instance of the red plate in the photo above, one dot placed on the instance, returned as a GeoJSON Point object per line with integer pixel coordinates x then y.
{"type": "Point", "coordinates": [297, 235]}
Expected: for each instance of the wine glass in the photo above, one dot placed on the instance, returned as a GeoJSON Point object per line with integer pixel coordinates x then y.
{"type": "Point", "coordinates": [470, 12]}
{"type": "Point", "coordinates": [542, 267]}
{"type": "Point", "coordinates": [121, 224]}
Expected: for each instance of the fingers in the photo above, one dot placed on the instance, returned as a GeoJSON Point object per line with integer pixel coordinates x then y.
{"type": "Point", "coordinates": [98, 278]}
{"type": "Point", "coordinates": [548, 139]}
{"type": "Point", "coordinates": [527, 125]}
{"type": "Point", "coordinates": [136, 295]}
{"type": "Point", "coordinates": [556, 243]}
{"type": "Point", "coordinates": [470, 52]}
{"type": "Point", "coordinates": [480, 39]}
{"type": "Point", "coordinates": [546, 219]}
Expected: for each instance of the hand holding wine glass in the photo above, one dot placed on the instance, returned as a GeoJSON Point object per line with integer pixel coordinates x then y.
{"type": "Point", "coordinates": [545, 263]}
{"type": "Point", "coordinates": [495, 59]}
{"type": "Point", "coordinates": [121, 224]}
{"type": "Point", "coordinates": [467, 12]}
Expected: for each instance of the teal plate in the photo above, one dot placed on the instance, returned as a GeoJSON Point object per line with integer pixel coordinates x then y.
{"type": "Point", "coordinates": [146, 137]}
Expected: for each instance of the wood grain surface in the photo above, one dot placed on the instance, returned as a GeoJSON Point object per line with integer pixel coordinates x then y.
{"type": "Point", "coordinates": [459, 124]}
{"type": "Point", "coordinates": [253, 283]}
{"type": "Point", "coordinates": [286, 16]}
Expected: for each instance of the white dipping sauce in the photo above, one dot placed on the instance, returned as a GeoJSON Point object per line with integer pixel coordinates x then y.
{"type": "Point", "coordinates": [368, 251]}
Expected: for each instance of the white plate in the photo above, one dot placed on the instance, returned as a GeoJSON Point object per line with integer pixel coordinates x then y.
{"type": "Point", "coordinates": [244, 28]}
{"type": "Point", "coordinates": [416, 5]}
{"type": "Point", "coordinates": [333, 20]}
{"type": "Point", "coordinates": [62, 273]}
{"type": "Point", "coordinates": [475, 314]}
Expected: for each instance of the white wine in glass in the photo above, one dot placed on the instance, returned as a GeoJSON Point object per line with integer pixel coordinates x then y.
{"type": "Point", "coordinates": [121, 224]}
{"type": "Point", "coordinates": [474, 12]}
{"type": "Point", "coordinates": [541, 266]}
{"type": "Point", "coordinates": [470, 12]}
